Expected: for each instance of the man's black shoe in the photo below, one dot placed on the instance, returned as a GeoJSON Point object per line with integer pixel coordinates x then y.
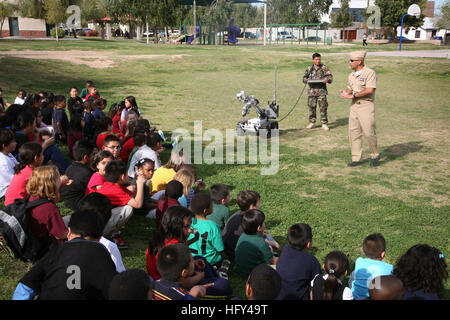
{"type": "Point", "coordinates": [354, 163]}
{"type": "Point", "coordinates": [375, 162]}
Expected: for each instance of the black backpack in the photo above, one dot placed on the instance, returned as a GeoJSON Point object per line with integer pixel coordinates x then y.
{"type": "Point", "coordinates": [15, 228]}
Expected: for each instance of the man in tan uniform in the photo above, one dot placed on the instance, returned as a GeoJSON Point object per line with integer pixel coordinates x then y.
{"type": "Point", "coordinates": [362, 84]}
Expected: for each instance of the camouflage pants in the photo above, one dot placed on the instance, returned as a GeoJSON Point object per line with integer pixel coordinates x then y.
{"type": "Point", "coordinates": [323, 106]}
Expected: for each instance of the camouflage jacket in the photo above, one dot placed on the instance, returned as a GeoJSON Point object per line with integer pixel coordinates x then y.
{"type": "Point", "coordinates": [317, 89]}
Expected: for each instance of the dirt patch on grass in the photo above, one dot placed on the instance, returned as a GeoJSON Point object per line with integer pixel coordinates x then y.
{"type": "Point", "coordinates": [92, 59]}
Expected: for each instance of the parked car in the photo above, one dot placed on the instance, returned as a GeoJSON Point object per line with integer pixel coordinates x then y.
{"type": "Point", "coordinates": [285, 35]}
{"type": "Point", "coordinates": [248, 35]}
{"type": "Point", "coordinates": [313, 39]}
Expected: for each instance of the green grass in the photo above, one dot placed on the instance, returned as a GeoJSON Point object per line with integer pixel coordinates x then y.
{"type": "Point", "coordinates": [405, 198]}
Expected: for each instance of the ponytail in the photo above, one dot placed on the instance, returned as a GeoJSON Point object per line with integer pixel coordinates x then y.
{"type": "Point", "coordinates": [336, 264]}
{"type": "Point", "coordinates": [27, 153]}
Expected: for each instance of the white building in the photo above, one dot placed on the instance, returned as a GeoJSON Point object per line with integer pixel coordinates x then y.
{"type": "Point", "coordinates": [17, 26]}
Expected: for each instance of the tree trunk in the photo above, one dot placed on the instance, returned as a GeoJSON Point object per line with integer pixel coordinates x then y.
{"type": "Point", "coordinates": [148, 32]}
{"type": "Point", "coordinates": [56, 33]}
{"type": "Point", "coordinates": [155, 35]}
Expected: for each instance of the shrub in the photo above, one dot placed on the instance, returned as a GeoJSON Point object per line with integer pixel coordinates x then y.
{"type": "Point", "coordinates": [92, 33]}
{"type": "Point", "coordinates": [61, 33]}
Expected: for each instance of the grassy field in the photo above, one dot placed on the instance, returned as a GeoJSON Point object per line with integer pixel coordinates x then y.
{"type": "Point", "coordinates": [405, 198]}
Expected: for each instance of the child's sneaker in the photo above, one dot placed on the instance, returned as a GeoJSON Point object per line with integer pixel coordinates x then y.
{"type": "Point", "coordinates": [222, 272]}
{"type": "Point", "coordinates": [119, 242]}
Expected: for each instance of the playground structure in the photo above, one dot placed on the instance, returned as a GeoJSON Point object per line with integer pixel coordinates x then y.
{"type": "Point", "coordinates": [220, 34]}
{"type": "Point", "coordinates": [294, 34]}
{"type": "Point", "coordinates": [210, 34]}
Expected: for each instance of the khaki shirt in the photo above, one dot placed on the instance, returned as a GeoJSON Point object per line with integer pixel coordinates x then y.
{"type": "Point", "coordinates": [365, 78]}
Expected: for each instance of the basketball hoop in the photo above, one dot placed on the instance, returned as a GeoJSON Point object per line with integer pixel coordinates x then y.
{"type": "Point", "coordinates": [414, 10]}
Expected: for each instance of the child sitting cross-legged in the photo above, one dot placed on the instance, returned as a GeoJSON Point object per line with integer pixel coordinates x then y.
{"type": "Point", "coordinates": [174, 190]}
{"type": "Point", "coordinates": [122, 200]}
{"type": "Point", "coordinates": [175, 264]}
{"type": "Point", "coordinates": [206, 240]}
{"type": "Point", "coordinates": [251, 248]}
{"type": "Point", "coordinates": [296, 266]}
{"type": "Point", "coordinates": [101, 159]}
{"type": "Point", "coordinates": [220, 195]}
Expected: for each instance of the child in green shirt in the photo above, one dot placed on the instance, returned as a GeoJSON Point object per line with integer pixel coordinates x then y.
{"type": "Point", "coordinates": [206, 240]}
{"type": "Point", "coordinates": [220, 196]}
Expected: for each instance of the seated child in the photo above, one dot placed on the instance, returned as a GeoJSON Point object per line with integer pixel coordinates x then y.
{"type": "Point", "coordinates": [53, 155]}
{"type": "Point", "coordinates": [330, 286]}
{"type": "Point", "coordinates": [133, 284]}
{"type": "Point", "coordinates": [187, 180]}
{"type": "Point", "coordinates": [122, 200]}
{"type": "Point", "coordinates": [164, 174]}
{"type": "Point", "coordinates": [296, 266]}
{"type": "Point", "coordinates": [145, 168]}
{"type": "Point", "coordinates": [101, 159]}
{"type": "Point", "coordinates": [206, 241]}
{"type": "Point", "coordinates": [386, 288]}
{"type": "Point", "coordinates": [80, 172]}
{"type": "Point", "coordinates": [7, 160]}
{"type": "Point", "coordinates": [175, 264]}
{"type": "Point", "coordinates": [246, 200]}
{"type": "Point", "coordinates": [263, 283]}
{"type": "Point", "coordinates": [112, 144]}
{"type": "Point", "coordinates": [53, 277]}
{"type": "Point", "coordinates": [220, 196]}
{"type": "Point", "coordinates": [100, 204]}
{"type": "Point", "coordinates": [148, 150]}
{"type": "Point", "coordinates": [174, 190]}
{"type": "Point", "coordinates": [374, 247]}
{"type": "Point", "coordinates": [103, 128]}
{"type": "Point", "coordinates": [30, 157]}
{"type": "Point", "coordinates": [423, 271]}
{"type": "Point", "coordinates": [92, 93]}
{"type": "Point", "coordinates": [251, 248]}
{"type": "Point", "coordinates": [20, 99]}
{"type": "Point", "coordinates": [46, 221]}
{"type": "Point", "coordinates": [176, 228]}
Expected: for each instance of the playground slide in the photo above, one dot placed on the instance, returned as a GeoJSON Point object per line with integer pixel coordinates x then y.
{"type": "Point", "coordinates": [233, 33]}
{"type": "Point", "coordinates": [190, 38]}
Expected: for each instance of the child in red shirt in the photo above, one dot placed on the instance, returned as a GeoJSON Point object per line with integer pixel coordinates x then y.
{"type": "Point", "coordinates": [101, 159]}
{"type": "Point", "coordinates": [123, 201]}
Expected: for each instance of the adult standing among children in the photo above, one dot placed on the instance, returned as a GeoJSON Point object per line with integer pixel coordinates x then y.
{"type": "Point", "coordinates": [362, 84]}
{"type": "Point", "coordinates": [317, 93]}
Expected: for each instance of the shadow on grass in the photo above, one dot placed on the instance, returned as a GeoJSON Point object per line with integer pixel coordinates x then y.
{"type": "Point", "coordinates": [338, 123]}
{"type": "Point", "coordinates": [400, 150]}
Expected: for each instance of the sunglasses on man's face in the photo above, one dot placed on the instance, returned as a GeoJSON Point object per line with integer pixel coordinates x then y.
{"type": "Point", "coordinates": [354, 60]}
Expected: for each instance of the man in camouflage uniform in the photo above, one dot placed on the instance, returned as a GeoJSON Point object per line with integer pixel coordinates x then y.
{"type": "Point", "coordinates": [317, 93]}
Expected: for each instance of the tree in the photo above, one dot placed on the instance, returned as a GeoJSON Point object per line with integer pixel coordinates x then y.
{"type": "Point", "coordinates": [392, 13]}
{"type": "Point", "coordinates": [6, 10]}
{"type": "Point", "coordinates": [342, 18]}
{"type": "Point", "coordinates": [245, 16]}
{"type": "Point", "coordinates": [311, 11]}
{"type": "Point", "coordinates": [443, 20]}
{"type": "Point", "coordinates": [96, 11]}
{"type": "Point", "coordinates": [55, 13]}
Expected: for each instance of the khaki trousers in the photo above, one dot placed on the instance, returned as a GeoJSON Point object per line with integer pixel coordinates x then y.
{"type": "Point", "coordinates": [362, 122]}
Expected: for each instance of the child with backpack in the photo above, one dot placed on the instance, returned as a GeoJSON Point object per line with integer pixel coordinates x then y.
{"type": "Point", "coordinates": [30, 157]}
{"type": "Point", "coordinates": [46, 221]}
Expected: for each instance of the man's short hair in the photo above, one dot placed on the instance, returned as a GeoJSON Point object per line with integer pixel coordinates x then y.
{"type": "Point", "coordinates": [265, 283]}
{"type": "Point", "coordinates": [247, 198]}
{"type": "Point", "coordinates": [373, 245]}
{"type": "Point", "coordinates": [218, 192]}
{"type": "Point", "coordinates": [172, 260]}
{"type": "Point", "coordinates": [110, 138]}
{"type": "Point", "coordinates": [251, 220]}
{"type": "Point", "coordinates": [132, 284]}
{"type": "Point", "coordinates": [316, 55]}
{"type": "Point", "coordinates": [82, 148]}
{"type": "Point", "coordinates": [87, 224]}
{"type": "Point", "coordinates": [114, 170]}
{"type": "Point", "coordinates": [200, 202]}
{"type": "Point", "coordinates": [299, 235]}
